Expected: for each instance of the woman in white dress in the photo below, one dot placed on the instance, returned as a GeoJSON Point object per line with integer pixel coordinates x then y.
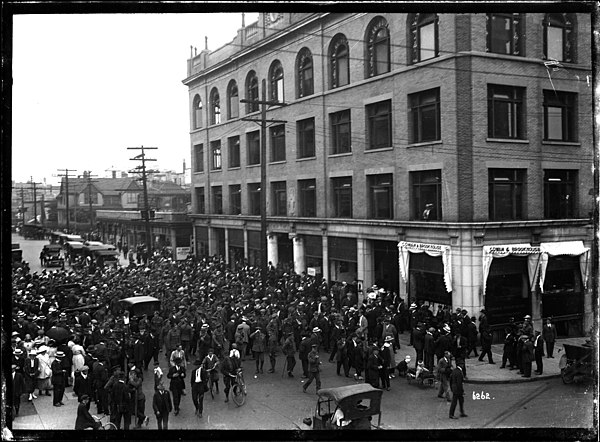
{"type": "Point", "coordinates": [78, 358]}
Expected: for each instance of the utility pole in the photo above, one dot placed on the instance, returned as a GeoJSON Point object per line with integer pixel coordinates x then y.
{"type": "Point", "coordinates": [32, 183]}
{"type": "Point", "coordinates": [142, 170]}
{"type": "Point", "coordinates": [263, 175]}
{"type": "Point", "coordinates": [23, 208]}
{"type": "Point", "coordinates": [66, 175]}
{"type": "Point", "coordinates": [89, 175]}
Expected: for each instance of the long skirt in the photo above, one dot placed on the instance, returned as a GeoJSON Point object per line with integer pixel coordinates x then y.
{"type": "Point", "coordinates": [44, 384]}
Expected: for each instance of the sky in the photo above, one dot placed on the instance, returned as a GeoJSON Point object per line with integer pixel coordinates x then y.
{"type": "Point", "coordinates": [87, 86]}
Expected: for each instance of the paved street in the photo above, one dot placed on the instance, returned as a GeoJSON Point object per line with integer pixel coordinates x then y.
{"type": "Point", "coordinates": [276, 402]}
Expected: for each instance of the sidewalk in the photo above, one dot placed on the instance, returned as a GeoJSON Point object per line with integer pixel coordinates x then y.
{"type": "Point", "coordinates": [485, 373]}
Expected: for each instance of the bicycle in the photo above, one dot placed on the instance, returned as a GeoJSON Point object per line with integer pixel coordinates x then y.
{"type": "Point", "coordinates": [239, 388]}
{"type": "Point", "coordinates": [104, 425]}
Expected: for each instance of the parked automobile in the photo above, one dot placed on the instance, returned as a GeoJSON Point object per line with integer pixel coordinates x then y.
{"type": "Point", "coordinates": [51, 256]}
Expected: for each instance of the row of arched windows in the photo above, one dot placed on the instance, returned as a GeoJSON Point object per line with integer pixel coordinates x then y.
{"type": "Point", "coordinates": [505, 34]}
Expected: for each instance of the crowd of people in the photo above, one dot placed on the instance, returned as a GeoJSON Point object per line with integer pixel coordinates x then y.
{"type": "Point", "coordinates": [69, 328]}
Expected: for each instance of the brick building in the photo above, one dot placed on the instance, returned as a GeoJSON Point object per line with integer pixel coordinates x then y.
{"type": "Point", "coordinates": [443, 156]}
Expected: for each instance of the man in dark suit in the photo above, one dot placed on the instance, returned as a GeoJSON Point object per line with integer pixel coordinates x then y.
{"type": "Point", "coordinates": [527, 355]}
{"type": "Point", "coordinates": [549, 335]}
{"type": "Point", "coordinates": [59, 379]}
{"type": "Point", "coordinates": [538, 351]}
{"type": "Point", "coordinates": [100, 378]}
{"type": "Point", "coordinates": [83, 383]}
{"type": "Point", "coordinates": [459, 350]}
{"type": "Point", "coordinates": [199, 382]}
{"type": "Point", "coordinates": [18, 387]}
{"type": "Point", "coordinates": [162, 406]}
{"type": "Point", "coordinates": [444, 372]}
{"type": "Point", "coordinates": [177, 375]}
{"type": "Point", "coordinates": [458, 393]}
{"type": "Point", "coordinates": [121, 399]}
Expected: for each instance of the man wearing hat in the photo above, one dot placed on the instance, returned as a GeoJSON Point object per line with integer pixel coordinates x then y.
{"type": "Point", "coordinates": [313, 368]}
{"type": "Point", "coordinates": [444, 371]}
{"type": "Point", "coordinates": [549, 336]}
{"type": "Point", "coordinates": [59, 378]}
{"type": "Point", "coordinates": [289, 350]}
{"type": "Point", "coordinates": [258, 348]}
{"type": "Point", "coordinates": [199, 383]}
{"type": "Point", "coordinates": [19, 358]}
{"type": "Point", "coordinates": [527, 326]}
{"type": "Point", "coordinates": [538, 351]}
{"type": "Point", "coordinates": [84, 419]}
{"type": "Point", "coordinates": [177, 375]}
{"type": "Point", "coordinates": [99, 380]}
{"type": "Point", "coordinates": [458, 393]}
{"type": "Point", "coordinates": [83, 383]}
{"type": "Point", "coordinates": [30, 372]}
{"type": "Point", "coordinates": [18, 385]}
{"type": "Point", "coordinates": [162, 406]}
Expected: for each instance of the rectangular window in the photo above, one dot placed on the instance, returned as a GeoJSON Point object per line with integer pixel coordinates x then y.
{"type": "Point", "coordinates": [381, 196]}
{"type": "Point", "coordinates": [200, 203]}
{"type": "Point", "coordinates": [506, 114]}
{"type": "Point", "coordinates": [505, 34]}
{"type": "Point", "coordinates": [560, 116]}
{"type": "Point", "coordinates": [234, 151]}
{"type": "Point", "coordinates": [307, 198]}
{"type": "Point", "coordinates": [340, 132]}
{"type": "Point", "coordinates": [254, 198]}
{"type": "Point", "coordinates": [86, 197]}
{"type": "Point", "coordinates": [199, 158]}
{"type": "Point", "coordinates": [253, 146]}
{"type": "Point", "coordinates": [426, 195]}
{"type": "Point", "coordinates": [215, 149]}
{"type": "Point", "coordinates": [217, 194]}
{"type": "Point", "coordinates": [506, 189]}
{"type": "Point", "coordinates": [306, 138]}
{"type": "Point", "coordinates": [235, 199]}
{"type": "Point", "coordinates": [342, 197]}
{"type": "Point", "coordinates": [560, 192]}
{"type": "Point", "coordinates": [427, 41]}
{"type": "Point", "coordinates": [131, 198]}
{"type": "Point", "coordinates": [379, 124]}
{"type": "Point", "coordinates": [279, 198]}
{"type": "Point", "coordinates": [278, 143]}
{"type": "Point", "coordinates": [555, 43]}
{"type": "Point", "coordinates": [426, 118]}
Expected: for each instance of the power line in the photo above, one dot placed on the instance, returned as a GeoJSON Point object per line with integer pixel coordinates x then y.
{"type": "Point", "coordinates": [144, 172]}
{"type": "Point", "coordinates": [67, 176]}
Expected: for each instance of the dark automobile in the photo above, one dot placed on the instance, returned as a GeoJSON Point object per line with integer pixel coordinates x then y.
{"type": "Point", "coordinates": [140, 305]}
{"type": "Point", "coordinates": [51, 256]}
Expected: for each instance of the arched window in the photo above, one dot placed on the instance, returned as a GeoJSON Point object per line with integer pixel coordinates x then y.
{"type": "Point", "coordinates": [197, 112]}
{"type": "Point", "coordinates": [339, 61]}
{"type": "Point", "coordinates": [559, 37]}
{"type": "Point", "coordinates": [215, 107]}
{"type": "Point", "coordinates": [276, 81]}
{"type": "Point", "coordinates": [233, 100]}
{"type": "Point", "coordinates": [304, 72]}
{"type": "Point", "coordinates": [377, 45]}
{"type": "Point", "coordinates": [423, 37]}
{"type": "Point", "coordinates": [252, 92]}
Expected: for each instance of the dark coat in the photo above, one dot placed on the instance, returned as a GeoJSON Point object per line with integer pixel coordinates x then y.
{"type": "Point", "coordinates": [486, 339]}
{"type": "Point", "coordinates": [59, 376]}
{"type": "Point", "coordinates": [549, 333]}
{"type": "Point", "coordinates": [120, 396]}
{"type": "Point", "coordinates": [539, 348]}
{"type": "Point", "coordinates": [428, 344]}
{"type": "Point", "coordinates": [31, 371]}
{"type": "Point", "coordinates": [82, 386]}
{"type": "Point", "coordinates": [18, 385]}
{"type": "Point", "coordinates": [177, 382]}
{"type": "Point", "coordinates": [418, 339]}
{"type": "Point", "coordinates": [527, 352]}
{"type": "Point", "coordinates": [100, 374]}
{"type": "Point", "coordinates": [85, 419]}
{"type": "Point", "coordinates": [456, 381]}
{"type": "Point", "coordinates": [372, 370]}
{"type": "Point", "coordinates": [161, 402]}
{"type": "Point", "coordinates": [443, 343]}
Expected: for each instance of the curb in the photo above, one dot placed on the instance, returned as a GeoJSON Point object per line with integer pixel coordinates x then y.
{"type": "Point", "coordinates": [511, 381]}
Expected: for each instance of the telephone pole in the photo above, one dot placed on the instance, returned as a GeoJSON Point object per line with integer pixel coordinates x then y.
{"type": "Point", "coordinates": [88, 175]}
{"type": "Point", "coordinates": [144, 172]}
{"type": "Point", "coordinates": [66, 175]}
{"type": "Point", "coordinates": [33, 183]}
{"type": "Point", "coordinates": [263, 174]}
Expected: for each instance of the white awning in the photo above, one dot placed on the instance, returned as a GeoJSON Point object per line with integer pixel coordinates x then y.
{"type": "Point", "coordinates": [571, 248]}
{"type": "Point", "coordinates": [406, 247]}
{"type": "Point", "coordinates": [502, 251]}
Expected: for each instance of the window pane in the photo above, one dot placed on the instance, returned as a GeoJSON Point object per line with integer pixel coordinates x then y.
{"type": "Point", "coordinates": [429, 123]}
{"type": "Point", "coordinates": [555, 43]}
{"type": "Point", "coordinates": [555, 121]}
{"type": "Point", "coordinates": [501, 119]}
{"type": "Point", "coordinates": [501, 34]}
{"type": "Point", "coordinates": [427, 41]}
{"type": "Point", "coordinates": [343, 70]}
{"type": "Point", "coordinates": [382, 64]}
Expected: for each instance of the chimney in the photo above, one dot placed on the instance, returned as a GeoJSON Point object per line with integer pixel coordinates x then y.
{"type": "Point", "coordinates": [114, 174]}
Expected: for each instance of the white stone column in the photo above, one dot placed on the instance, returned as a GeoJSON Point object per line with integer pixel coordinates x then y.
{"type": "Point", "coordinates": [227, 246]}
{"type": "Point", "coordinates": [325, 264]}
{"type": "Point", "coordinates": [364, 261]}
{"type": "Point", "coordinates": [213, 242]}
{"type": "Point", "coordinates": [246, 244]}
{"type": "Point", "coordinates": [272, 250]}
{"type": "Point", "coordinates": [299, 260]}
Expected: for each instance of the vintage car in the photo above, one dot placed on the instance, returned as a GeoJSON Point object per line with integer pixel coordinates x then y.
{"type": "Point", "coordinates": [17, 256]}
{"type": "Point", "coordinates": [350, 407]}
{"type": "Point", "coordinates": [140, 305]}
{"type": "Point", "coordinates": [51, 256]}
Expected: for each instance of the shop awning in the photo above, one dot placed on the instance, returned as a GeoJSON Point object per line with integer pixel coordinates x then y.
{"type": "Point", "coordinates": [572, 248]}
{"type": "Point", "coordinates": [502, 251]}
{"type": "Point", "coordinates": [405, 248]}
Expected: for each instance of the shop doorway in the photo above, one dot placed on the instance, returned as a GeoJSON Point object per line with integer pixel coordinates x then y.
{"type": "Point", "coordinates": [507, 291]}
{"type": "Point", "coordinates": [385, 266]}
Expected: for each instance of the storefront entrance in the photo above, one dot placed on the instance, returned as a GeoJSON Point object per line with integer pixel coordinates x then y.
{"type": "Point", "coordinates": [426, 280]}
{"type": "Point", "coordinates": [562, 298]}
{"type": "Point", "coordinates": [507, 294]}
{"type": "Point", "coordinates": [385, 265]}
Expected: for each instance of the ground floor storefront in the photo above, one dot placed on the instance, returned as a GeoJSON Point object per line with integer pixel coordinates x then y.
{"type": "Point", "coordinates": [542, 270]}
{"type": "Point", "coordinates": [167, 230]}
